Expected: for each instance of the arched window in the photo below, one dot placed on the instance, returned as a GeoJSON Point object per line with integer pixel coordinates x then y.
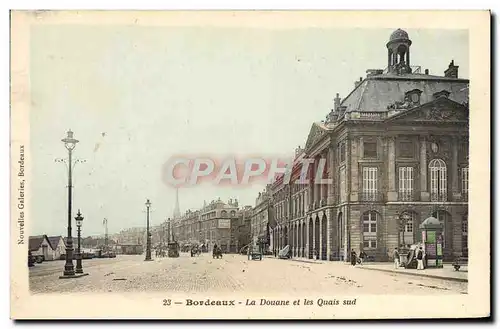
{"type": "Point", "coordinates": [233, 213]}
{"type": "Point", "coordinates": [437, 168]}
{"type": "Point", "coordinates": [223, 213]}
{"type": "Point", "coordinates": [370, 219]}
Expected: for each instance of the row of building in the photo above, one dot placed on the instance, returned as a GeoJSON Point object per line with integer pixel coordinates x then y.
{"type": "Point", "coordinates": [396, 150]}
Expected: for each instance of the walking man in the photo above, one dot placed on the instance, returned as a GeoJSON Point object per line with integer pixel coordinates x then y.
{"type": "Point", "coordinates": [353, 258]}
{"type": "Point", "coordinates": [362, 256]}
{"type": "Point", "coordinates": [420, 259]}
{"type": "Point", "coordinates": [395, 255]}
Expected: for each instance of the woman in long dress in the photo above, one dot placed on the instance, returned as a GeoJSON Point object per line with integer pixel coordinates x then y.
{"type": "Point", "coordinates": [353, 258]}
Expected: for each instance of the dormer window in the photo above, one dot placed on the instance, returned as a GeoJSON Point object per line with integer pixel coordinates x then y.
{"type": "Point", "coordinates": [442, 93]}
{"type": "Point", "coordinates": [413, 96]}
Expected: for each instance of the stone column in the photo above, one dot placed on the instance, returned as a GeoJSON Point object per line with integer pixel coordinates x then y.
{"type": "Point", "coordinates": [392, 194]}
{"type": "Point", "coordinates": [456, 193]}
{"type": "Point", "coordinates": [424, 193]}
{"type": "Point", "coordinates": [317, 186]}
{"type": "Point", "coordinates": [345, 222]}
{"type": "Point", "coordinates": [329, 234]}
{"type": "Point", "coordinates": [307, 242]}
{"type": "Point", "coordinates": [313, 245]}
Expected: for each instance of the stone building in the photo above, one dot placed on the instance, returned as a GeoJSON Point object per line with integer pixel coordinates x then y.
{"type": "Point", "coordinates": [212, 224]}
{"type": "Point", "coordinates": [260, 219]}
{"type": "Point", "coordinates": [395, 147]}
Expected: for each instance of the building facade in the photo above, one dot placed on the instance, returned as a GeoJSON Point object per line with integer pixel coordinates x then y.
{"type": "Point", "coordinates": [214, 223]}
{"type": "Point", "coordinates": [260, 219]}
{"type": "Point", "coordinates": [396, 147]}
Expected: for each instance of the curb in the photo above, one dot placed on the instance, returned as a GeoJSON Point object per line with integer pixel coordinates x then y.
{"type": "Point", "coordinates": [417, 274]}
{"type": "Point", "coordinates": [305, 261]}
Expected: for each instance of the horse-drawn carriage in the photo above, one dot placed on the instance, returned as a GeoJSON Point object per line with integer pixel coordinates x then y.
{"type": "Point", "coordinates": [195, 251]}
{"type": "Point", "coordinates": [173, 249]}
{"type": "Point", "coordinates": [217, 252]}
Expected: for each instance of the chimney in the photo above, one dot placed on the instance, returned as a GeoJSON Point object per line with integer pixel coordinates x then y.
{"type": "Point", "coordinates": [357, 83]}
{"type": "Point", "coordinates": [427, 71]}
{"type": "Point", "coordinates": [336, 102]}
{"type": "Point", "coordinates": [452, 71]}
{"type": "Point", "coordinates": [373, 72]}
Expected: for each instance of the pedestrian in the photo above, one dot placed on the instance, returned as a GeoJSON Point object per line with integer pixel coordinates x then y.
{"type": "Point", "coordinates": [395, 255]}
{"type": "Point", "coordinates": [353, 258]}
{"type": "Point", "coordinates": [362, 256]}
{"type": "Point", "coordinates": [420, 259]}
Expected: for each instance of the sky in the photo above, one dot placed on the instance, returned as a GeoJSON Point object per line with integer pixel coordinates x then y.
{"type": "Point", "coordinates": [135, 96]}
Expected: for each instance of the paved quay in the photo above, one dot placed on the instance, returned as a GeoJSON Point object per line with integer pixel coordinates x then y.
{"type": "Point", "coordinates": [445, 273]}
{"type": "Point", "coordinates": [232, 273]}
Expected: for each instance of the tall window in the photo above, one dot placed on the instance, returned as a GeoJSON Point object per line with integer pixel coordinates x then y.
{"type": "Point", "coordinates": [439, 189]}
{"type": "Point", "coordinates": [370, 150]}
{"type": "Point", "coordinates": [342, 185]}
{"type": "Point", "coordinates": [342, 152]}
{"type": "Point", "coordinates": [370, 229]}
{"type": "Point", "coordinates": [406, 183]}
{"type": "Point", "coordinates": [465, 181]}
{"type": "Point", "coordinates": [370, 178]}
{"type": "Point", "coordinates": [465, 233]}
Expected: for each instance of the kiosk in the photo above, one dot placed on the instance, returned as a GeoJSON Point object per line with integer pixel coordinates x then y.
{"type": "Point", "coordinates": [432, 240]}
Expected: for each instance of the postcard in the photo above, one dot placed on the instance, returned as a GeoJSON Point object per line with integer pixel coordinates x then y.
{"type": "Point", "coordinates": [250, 164]}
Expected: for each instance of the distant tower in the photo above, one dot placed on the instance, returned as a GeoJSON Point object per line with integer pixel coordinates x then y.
{"type": "Point", "coordinates": [177, 209]}
{"type": "Point", "coordinates": [398, 52]}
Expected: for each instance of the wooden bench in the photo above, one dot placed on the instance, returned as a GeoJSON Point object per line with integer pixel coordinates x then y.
{"type": "Point", "coordinates": [460, 261]}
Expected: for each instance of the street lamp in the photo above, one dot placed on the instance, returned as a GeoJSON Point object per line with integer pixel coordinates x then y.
{"type": "Point", "coordinates": [148, 236]}
{"type": "Point", "coordinates": [404, 217]}
{"type": "Point", "coordinates": [79, 222]}
{"type": "Point", "coordinates": [69, 270]}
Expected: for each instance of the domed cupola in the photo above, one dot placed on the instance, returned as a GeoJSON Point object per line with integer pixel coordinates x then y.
{"type": "Point", "coordinates": [398, 51]}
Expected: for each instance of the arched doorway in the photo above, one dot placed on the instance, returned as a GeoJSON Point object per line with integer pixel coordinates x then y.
{"type": "Point", "coordinates": [444, 218]}
{"type": "Point", "coordinates": [296, 238]}
{"type": "Point", "coordinates": [303, 249]}
{"type": "Point", "coordinates": [285, 237]}
{"type": "Point", "coordinates": [340, 236]}
{"type": "Point", "coordinates": [310, 241]}
{"type": "Point", "coordinates": [300, 242]}
{"type": "Point", "coordinates": [411, 233]}
{"type": "Point", "coordinates": [465, 235]}
{"type": "Point", "coordinates": [316, 237]}
{"type": "Point", "coordinates": [324, 238]}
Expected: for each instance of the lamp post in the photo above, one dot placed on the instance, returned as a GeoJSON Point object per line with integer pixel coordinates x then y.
{"type": "Point", "coordinates": [69, 143]}
{"type": "Point", "coordinates": [79, 221]}
{"type": "Point", "coordinates": [404, 217]}
{"type": "Point", "coordinates": [148, 236]}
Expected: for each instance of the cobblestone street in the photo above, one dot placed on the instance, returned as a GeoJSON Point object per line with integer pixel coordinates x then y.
{"type": "Point", "coordinates": [231, 273]}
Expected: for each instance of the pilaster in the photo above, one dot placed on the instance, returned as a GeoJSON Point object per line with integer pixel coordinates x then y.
{"type": "Point", "coordinates": [424, 193]}
{"type": "Point", "coordinates": [392, 194]}
{"type": "Point", "coordinates": [354, 174]}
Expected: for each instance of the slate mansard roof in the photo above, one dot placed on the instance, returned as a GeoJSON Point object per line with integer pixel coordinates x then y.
{"type": "Point", "coordinates": [376, 93]}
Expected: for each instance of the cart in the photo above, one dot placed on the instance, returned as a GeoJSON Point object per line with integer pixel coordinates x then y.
{"type": "Point", "coordinates": [173, 249]}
